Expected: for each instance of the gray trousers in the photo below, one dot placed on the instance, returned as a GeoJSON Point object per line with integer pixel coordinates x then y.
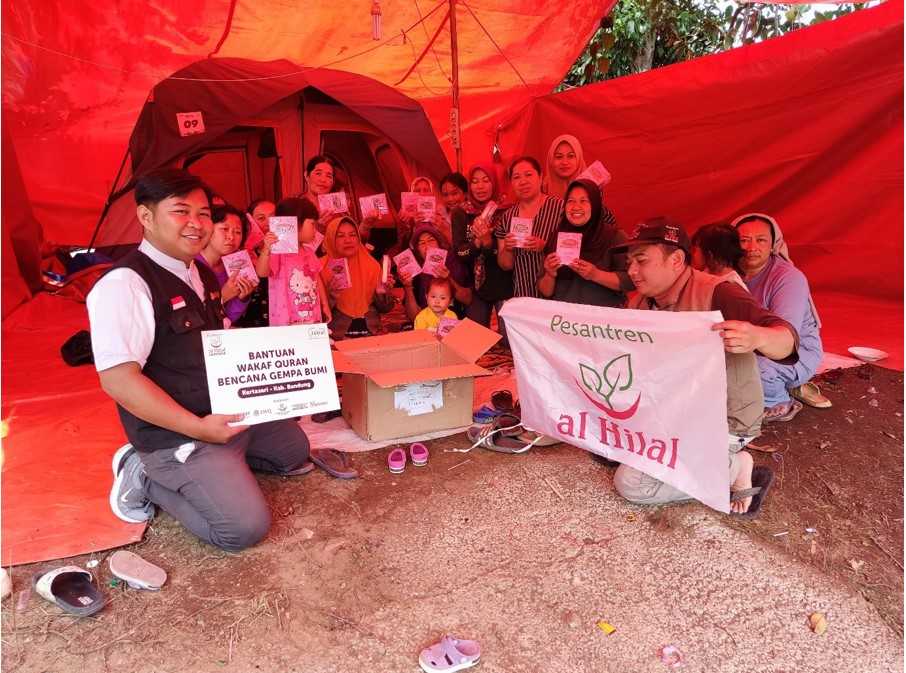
{"type": "Point", "coordinates": [210, 489]}
{"type": "Point", "coordinates": [641, 489]}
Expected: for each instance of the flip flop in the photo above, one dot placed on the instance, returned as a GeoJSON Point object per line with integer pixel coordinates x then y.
{"type": "Point", "coordinates": [396, 461]}
{"type": "Point", "coordinates": [71, 588]}
{"type": "Point", "coordinates": [762, 478]}
{"type": "Point", "coordinates": [541, 440]}
{"type": "Point", "coordinates": [502, 435]}
{"type": "Point", "coordinates": [333, 462]}
{"type": "Point", "coordinates": [449, 655]}
{"type": "Point", "coordinates": [136, 571]}
{"type": "Point", "coordinates": [419, 454]}
{"type": "Point", "coordinates": [783, 412]}
{"type": "Point", "coordinates": [810, 394]}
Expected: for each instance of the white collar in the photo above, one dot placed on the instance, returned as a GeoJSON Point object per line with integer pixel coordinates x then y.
{"type": "Point", "coordinates": [171, 264]}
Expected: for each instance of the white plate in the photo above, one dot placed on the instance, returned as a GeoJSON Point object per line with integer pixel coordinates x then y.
{"type": "Point", "coordinates": [867, 354]}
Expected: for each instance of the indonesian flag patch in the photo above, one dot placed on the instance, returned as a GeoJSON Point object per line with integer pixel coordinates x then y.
{"type": "Point", "coordinates": [177, 302]}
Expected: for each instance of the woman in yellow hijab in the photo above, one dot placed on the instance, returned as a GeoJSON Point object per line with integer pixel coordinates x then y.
{"type": "Point", "coordinates": [356, 293]}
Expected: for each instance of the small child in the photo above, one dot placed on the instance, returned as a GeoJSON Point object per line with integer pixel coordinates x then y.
{"type": "Point", "coordinates": [296, 293]}
{"type": "Point", "coordinates": [439, 295]}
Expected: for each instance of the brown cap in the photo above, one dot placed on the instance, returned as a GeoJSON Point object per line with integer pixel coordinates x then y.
{"type": "Point", "coordinates": [658, 230]}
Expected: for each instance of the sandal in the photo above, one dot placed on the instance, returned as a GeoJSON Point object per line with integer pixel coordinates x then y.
{"type": "Point", "coordinates": [762, 478]}
{"type": "Point", "coordinates": [783, 412]}
{"type": "Point", "coordinates": [502, 435]}
{"type": "Point", "coordinates": [810, 394]}
{"type": "Point", "coordinates": [71, 588]}
{"type": "Point", "coordinates": [396, 461]}
{"type": "Point", "coordinates": [419, 454]}
{"type": "Point", "coordinates": [333, 462]}
{"type": "Point", "coordinates": [136, 571]}
{"type": "Point", "coordinates": [450, 654]}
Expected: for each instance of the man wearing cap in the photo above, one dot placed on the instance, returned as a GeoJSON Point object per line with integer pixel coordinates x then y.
{"type": "Point", "coordinates": [659, 265]}
{"type": "Point", "coordinates": [147, 315]}
{"type": "Point", "coordinates": [782, 289]}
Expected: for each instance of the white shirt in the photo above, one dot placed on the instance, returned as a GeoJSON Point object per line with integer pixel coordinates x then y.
{"type": "Point", "coordinates": [122, 315]}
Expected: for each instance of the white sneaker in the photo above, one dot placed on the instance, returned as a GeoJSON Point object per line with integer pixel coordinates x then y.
{"type": "Point", "coordinates": [127, 497]}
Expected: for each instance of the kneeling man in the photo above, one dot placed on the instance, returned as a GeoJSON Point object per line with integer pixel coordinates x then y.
{"type": "Point", "coordinates": [659, 265]}
{"type": "Point", "coordinates": [147, 315]}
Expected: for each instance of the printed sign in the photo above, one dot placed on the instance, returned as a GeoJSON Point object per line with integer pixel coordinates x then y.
{"type": "Point", "coordinates": [287, 230]}
{"type": "Point", "coordinates": [568, 247]}
{"type": "Point", "coordinates": [596, 173]}
{"type": "Point", "coordinates": [189, 123]}
{"type": "Point", "coordinates": [339, 269]}
{"type": "Point", "coordinates": [645, 388]}
{"type": "Point", "coordinates": [374, 205]}
{"type": "Point", "coordinates": [334, 202]}
{"type": "Point", "coordinates": [419, 398]}
{"type": "Point", "coordinates": [240, 263]}
{"type": "Point", "coordinates": [270, 373]}
{"type": "Point", "coordinates": [521, 227]}
{"type": "Point", "coordinates": [406, 263]}
{"type": "Point", "coordinates": [435, 260]}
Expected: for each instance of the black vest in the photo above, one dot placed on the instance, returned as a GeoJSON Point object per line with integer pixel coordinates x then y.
{"type": "Point", "coordinates": [176, 361]}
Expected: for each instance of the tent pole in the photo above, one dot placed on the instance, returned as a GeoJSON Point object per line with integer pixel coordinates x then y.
{"type": "Point", "coordinates": [454, 113]}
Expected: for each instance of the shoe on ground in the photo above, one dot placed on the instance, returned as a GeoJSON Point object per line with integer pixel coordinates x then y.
{"type": "Point", "coordinates": [127, 496]}
{"type": "Point", "coordinates": [810, 394]}
{"type": "Point", "coordinates": [783, 412]}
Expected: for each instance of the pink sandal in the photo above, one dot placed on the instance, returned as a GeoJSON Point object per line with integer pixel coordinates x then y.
{"type": "Point", "coordinates": [450, 654]}
{"type": "Point", "coordinates": [396, 461]}
{"type": "Point", "coordinates": [419, 454]}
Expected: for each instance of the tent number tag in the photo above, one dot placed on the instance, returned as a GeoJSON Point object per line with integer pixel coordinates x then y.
{"type": "Point", "coordinates": [189, 123]}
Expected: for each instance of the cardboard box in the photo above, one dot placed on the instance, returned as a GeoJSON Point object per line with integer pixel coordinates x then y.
{"type": "Point", "coordinates": [391, 382]}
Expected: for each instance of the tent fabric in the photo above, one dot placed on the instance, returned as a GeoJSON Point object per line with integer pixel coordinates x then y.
{"type": "Point", "coordinates": [62, 432]}
{"type": "Point", "coordinates": [75, 76]}
{"type": "Point", "coordinates": [807, 127]}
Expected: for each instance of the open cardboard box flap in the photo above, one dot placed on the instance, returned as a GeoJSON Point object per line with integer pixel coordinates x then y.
{"type": "Point", "coordinates": [419, 374]}
{"type": "Point", "coordinates": [470, 340]}
{"type": "Point", "coordinates": [395, 340]}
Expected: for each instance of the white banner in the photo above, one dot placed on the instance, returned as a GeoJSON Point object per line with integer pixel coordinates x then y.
{"type": "Point", "coordinates": [646, 388]}
{"type": "Point", "coordinates": [270, 373]}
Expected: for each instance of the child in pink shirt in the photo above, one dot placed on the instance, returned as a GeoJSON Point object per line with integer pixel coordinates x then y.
{"type": "Point", "coordinates": [295, 291]}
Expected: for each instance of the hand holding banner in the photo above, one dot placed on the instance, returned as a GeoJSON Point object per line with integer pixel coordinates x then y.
{"type": "Point", "coordinates": [646, 388]}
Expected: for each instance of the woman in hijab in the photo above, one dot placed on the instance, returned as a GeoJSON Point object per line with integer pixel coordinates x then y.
{"type": "Point", "coordinates": [425, 237]}
{"type": "Point", "coordinates": [781, 288]}
{"type": "Point", "coordinates": [597, 278]}
{"type": "Point", "coordinates": [356, 308]}
{"type": "Point", "coordinates": [564, 162]}
{"type": "Point", "coordinates": [490, 284]}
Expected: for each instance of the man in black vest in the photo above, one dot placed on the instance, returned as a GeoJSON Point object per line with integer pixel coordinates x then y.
{"type": "Point", "coordinates": [147, 315]}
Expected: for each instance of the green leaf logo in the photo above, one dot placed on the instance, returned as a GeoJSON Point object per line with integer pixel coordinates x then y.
{"type": "Point", "coordinates": [617, 375]}
{"type": "Point", "coordinates": [590, 378]}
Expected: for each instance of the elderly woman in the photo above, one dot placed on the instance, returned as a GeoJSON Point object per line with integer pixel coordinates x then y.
{"type": "Point", "coordinates": [598, 277]}
{"type": "Point", "coordinates": [425, 237]}
{"type": "Point", "coordinates": [227, 238]}
{"type": "Point", "coordinates": [716, 250]}
{"type": "Point", "coordinates": [356, 308]}
{"type": "Point", "coordinates": [491, 285]}
{"type": "Point", "coordinates": [526, 256]}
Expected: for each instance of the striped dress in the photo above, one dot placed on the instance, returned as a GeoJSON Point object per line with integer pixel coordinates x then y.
{"type": "Point", "coordinates": [529, 265]}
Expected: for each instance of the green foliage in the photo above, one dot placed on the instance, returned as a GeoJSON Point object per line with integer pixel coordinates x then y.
{"type": "Point", "coordinates": [642, 34]}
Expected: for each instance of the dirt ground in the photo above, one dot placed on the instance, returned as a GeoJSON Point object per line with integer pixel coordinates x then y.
{"type": "Point", "coordinates": [525, 553]}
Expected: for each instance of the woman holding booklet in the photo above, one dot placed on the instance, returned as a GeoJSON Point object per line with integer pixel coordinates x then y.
{"type": "Point", "coordinates": [235, 274]}
{"type": "Point", "coordinates": [472, 224]}
{"type": "Point", "coordinates": [428, 246]}
{"type": "Point", "coordinates": [353, 281]}
{"type": "Point", "coordinates": [524, 229]}
{"type": "Point", "coordinates": [578, 266]}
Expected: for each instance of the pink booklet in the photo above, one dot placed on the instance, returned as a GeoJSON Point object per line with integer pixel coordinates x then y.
{"type": "Point", "coordinates": [255, 234]}
{"type": "Point", "coordinates": [568, 247]}
{"type": "Point", "coordinates": [287, 230]}
{"type": "Point", "coordinates": [435, 260]}
{"type": "Point", "coordinates": [334, 202]}
{"type": "Point", "coordinates": [425, 208]}
{"type": "Point", "coordinates": [374, 205]}
{"type": "Point", "coordinates": [596, 173]}
{"type": "Point", "coordinates": [405, 261]}
{"type": "Point", "coordinates": [240, 263]}
{"type": "Point", "coordinates": [445, 326]}
{"type": "Point", "coordinates": [522, 228]}
{"type": "Point", "coordinates": [339, 269]}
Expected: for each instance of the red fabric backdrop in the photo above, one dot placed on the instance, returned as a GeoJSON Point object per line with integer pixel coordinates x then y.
{"type": "Point", "coordinates": [808, 127]}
